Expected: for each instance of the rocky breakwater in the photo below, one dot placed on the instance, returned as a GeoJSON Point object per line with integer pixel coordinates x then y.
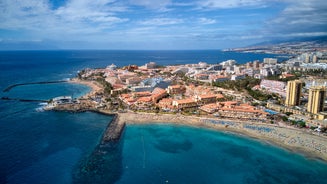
{"type": "Point", "coordinates": [104, 164]}
{"type": "Point", "coordinates": [114, 130]}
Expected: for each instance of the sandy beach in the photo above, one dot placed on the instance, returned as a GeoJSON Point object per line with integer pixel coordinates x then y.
{"type": "Point", "coordinates": [293, 139]}
{"type": "Point", "coordinates": [95, 87]}
{"type": "Point", "coordinates": [312, 146]}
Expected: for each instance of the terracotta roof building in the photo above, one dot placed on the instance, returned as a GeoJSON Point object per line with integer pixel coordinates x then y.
{"type": "Point", "coordinates": [184, 103]}
{"type": "Point", "coordinates": [176, 89]}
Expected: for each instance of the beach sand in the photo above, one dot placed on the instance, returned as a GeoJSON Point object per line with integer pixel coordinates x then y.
{"type": "Point", "coordinates": [296, 140]}
{"type": "Point", "coordinates": [95, 87]}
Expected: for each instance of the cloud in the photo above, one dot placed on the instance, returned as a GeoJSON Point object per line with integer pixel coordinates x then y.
{"type": "Point", "coordinates": [76, 16]}
{"type": "Point", "coordinates": [88, 10]}
{"type": "Point", "coordinates": [212, 4]}
{"type": "Point", "coordinates": [159, 5]}
{"type": "Point", "coordinates": [15, 15]}
{"type": "Point", "coordinates": [204, 20]}
{"type": "Point", "coordinates": [300, 18]}
{"type": "Point", "coordinates": [161, 21]}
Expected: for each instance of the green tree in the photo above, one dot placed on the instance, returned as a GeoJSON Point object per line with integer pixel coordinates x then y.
{"type": "Point", "coordinates": [285, 119]}
{"type": "Point", "coordinates": [301, 124]}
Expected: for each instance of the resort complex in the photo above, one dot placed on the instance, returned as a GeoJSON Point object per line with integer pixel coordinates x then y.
{"type": "Point", "coordinates": [259, 91]}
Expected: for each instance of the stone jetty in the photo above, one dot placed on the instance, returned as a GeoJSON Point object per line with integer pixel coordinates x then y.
{"type": "Point", "coordinates": [7, 89]}
{"type": "Point", "coordinates": [23, 100]}
{"type": "Point", "coordinates": [114, 130]}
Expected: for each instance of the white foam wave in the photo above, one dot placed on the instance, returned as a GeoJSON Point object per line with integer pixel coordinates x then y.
{"type": "Point", "coordinates": [39, 109]}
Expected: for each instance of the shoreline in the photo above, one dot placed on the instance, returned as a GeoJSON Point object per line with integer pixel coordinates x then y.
{"type": "Point", "coordinates": [295, 140]}
{"type": "Point", "coordinates": [95, 88]}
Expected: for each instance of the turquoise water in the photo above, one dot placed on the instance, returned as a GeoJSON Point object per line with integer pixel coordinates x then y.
{"type": "Point", "coordinates": [178, 154]}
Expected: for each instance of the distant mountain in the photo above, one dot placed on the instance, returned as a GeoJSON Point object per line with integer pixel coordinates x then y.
{"type": "Point", "coordinates": [287, 46]}
{"type": "Point", "coordinates": [318, 40]}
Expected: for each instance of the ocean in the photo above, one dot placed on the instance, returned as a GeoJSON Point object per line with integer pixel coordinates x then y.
{"type": "Point", "coordinates": [61, 147]}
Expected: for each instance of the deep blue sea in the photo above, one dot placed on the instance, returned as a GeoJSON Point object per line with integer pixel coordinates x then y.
{"type": "Point", "coordinates": [61, 147]}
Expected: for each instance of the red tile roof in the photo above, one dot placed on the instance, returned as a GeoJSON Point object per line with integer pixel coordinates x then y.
{"type": "Point", "coordinates": [184, 101]}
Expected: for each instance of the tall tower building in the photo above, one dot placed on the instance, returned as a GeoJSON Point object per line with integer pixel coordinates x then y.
{"type": "Point", "coordinates": [316, 99]}
{"type": "Point", "coordinates": [307, 58]}
{"type": "Point", "coordinates": [314, 59]}
{"type": "Point", "coordinates": [249, 65]}
{"type": "Point", "coordinates": [293, 93]}
{"type": "Point", "coordinates": [256, 64]}
{"type": "Point", "coordinates": [270, 61]}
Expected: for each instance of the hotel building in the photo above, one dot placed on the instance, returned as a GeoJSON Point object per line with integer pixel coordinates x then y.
{"type": "Point", "coordinates": [316, 99]}
{"type": "Point", "coordinates": [293, 93]}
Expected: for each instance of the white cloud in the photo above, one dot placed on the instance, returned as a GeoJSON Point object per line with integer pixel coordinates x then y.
{"type": "Point", "coordinates": [88, 10]}
{"type": "Point", "coordinates": [305, 34]}
{"type": "Point", "coordinates": [204, 20]}
{"type": "Point", "coordinates": [159, 5]}
{"type": "Point", "coordinates": [300, 18]}
{"type": "Point", "coordinates": [162, 21]}
{"type": "Point", "coordinates": [76, 16]}
{"type": "Point", "coordinates": [15, 15]}
{"type": "Point", "coordinates": [229, 3]}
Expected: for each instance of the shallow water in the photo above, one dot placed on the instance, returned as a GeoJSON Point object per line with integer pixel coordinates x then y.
{"type": "Point", "coordinates": [180, 154]}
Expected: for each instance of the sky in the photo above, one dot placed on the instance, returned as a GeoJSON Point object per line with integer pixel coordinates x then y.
{"type": "Point", "coordinates": [157, 24]}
